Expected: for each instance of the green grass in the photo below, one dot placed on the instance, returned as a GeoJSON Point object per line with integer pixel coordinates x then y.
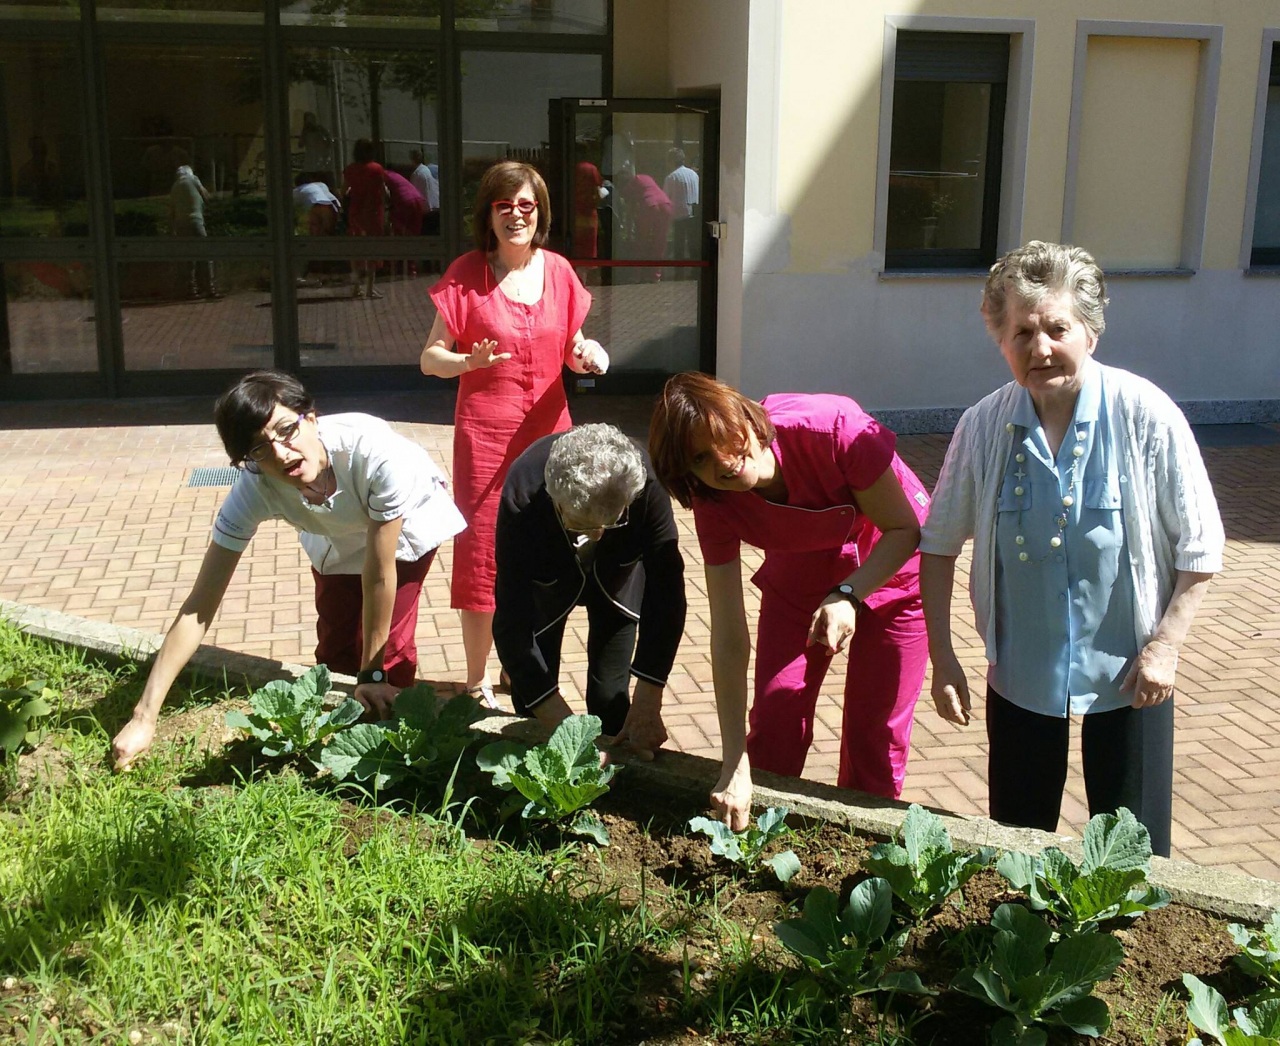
{"type": "Point", "coordinates": [270, 910]}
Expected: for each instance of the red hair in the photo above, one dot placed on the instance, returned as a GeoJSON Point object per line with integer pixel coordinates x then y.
{"type": "Point", "coordinates": [693, 405]}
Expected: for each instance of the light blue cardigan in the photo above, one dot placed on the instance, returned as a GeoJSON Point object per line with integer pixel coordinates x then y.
{"type": "Point", "coordinates": [1171, 517]}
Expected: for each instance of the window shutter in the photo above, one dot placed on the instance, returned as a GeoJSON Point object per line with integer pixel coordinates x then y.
{"type": "Point", "coordinates": [954, 57]}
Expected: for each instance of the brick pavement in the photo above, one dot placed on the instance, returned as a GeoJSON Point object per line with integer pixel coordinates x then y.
{"type": "Point", "coordinates": [96, 519]}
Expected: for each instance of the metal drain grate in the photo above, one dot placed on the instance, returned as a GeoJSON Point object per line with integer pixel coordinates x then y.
{"type": "Point", "coordinates": [213, 477]}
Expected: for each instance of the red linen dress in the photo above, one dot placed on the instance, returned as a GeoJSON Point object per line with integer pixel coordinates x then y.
{"type": "Point", "coordinates": [504, 408]}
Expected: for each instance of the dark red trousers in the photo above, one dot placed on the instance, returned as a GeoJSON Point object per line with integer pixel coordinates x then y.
{"type": "Point", "coordinates": [340, 621]}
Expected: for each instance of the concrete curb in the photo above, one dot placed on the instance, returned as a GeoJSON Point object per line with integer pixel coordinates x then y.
{"type": "Point", "coordinates": [1223, 894]}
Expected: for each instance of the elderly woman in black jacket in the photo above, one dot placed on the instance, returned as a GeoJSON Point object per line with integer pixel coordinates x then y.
{"type": "Point", "coordinates": [584, 522]}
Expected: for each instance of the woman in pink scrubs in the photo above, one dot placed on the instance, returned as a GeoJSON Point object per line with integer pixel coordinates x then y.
{"type": "Point", "coordinates": [815, 482]}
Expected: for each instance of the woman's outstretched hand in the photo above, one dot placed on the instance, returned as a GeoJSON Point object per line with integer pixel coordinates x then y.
{"type": "Point", "coordinates": [731, 797]}
{"type": "Point", "coordinates": [485, 354]}
{"type": "Point", "coordinates": [590, 357]}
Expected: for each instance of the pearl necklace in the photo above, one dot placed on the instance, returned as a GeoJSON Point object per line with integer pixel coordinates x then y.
{"type": "Point", "coordinates": [1068, 499]}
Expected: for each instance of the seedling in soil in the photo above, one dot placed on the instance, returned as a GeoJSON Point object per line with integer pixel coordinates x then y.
{"type": "Point", "coordinates": [559, 779]}
{"type": "Point", "coordinates": [924, 870]}
{"type": "Point", "coordinates": [1260, 952]}
{"type": "Point", "coordinates": [1109, 884]}
{"type": "Point", "coordinates": [23, 704]}
{"type": "Point", "coordinates": [423, 739]}
{"type": "Point", "coordinates": [288, 716]}
{"type": "Point", "coordinates": [1258, 1025]}
{"type": "Point", "coordinates": [746, 848]}
{"type": "Point", "coordinates": [850, 950]}
{"type": "Point", "coordinates": [1039, 985]}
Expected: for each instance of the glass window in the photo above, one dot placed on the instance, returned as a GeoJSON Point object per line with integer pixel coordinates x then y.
{"type": "Point", "coordinates": [379, 14]}
{"type": "Point", "coordinates": [636, 190]}
{"type": "Point", "coordinates": [49, 308]}
{"type": "Point", "coordinates": [506, 98]}
{"type": "Point", "coordinates": [196, 314]}
{"type": "Point", "coordinates": [185, 126]}
{"type": "Point", "coordinates": [341, 325]}
{"type": "Point", "coordinates": [41, 141]}
{"type": "Point", "coordinates": [188, 12]}
{"type": "Point", "coordinates": [647, 319]}
{"type": "Point", "coordinates": [944, 156]}
{"type": "Point", "coordinates": [50, 9]}
{"type": "Point", "coordinates": [533, 16]}
{"type": "Point", "coordinates": [1266, 222]}
{"type": "Point", "coordinates": [364, 128]}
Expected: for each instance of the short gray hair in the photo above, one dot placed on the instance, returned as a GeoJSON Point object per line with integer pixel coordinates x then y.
{"type": "Point", "coordinates": [1039, 270]}
{"type": "Point", "coordinates": [594, 472]}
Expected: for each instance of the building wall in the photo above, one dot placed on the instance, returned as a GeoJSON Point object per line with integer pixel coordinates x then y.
{"type": "Point", "coordinates": [817, 311]}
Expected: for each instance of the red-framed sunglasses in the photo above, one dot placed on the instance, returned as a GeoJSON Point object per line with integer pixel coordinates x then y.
{"type": "Point", "coordinates": [506, 207]}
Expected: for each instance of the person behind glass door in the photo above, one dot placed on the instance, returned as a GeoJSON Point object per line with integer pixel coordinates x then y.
{"type": "Point", "coordinates": [509, 319]}
{"type": "Point", "coordinates": [584, 522]}
{"type": "Point", "coordinates": [1095, 533]}
{"type": "Point", "coordinates": [187, 197]}
{"type": "Point", "coordinates": [681, 186]}
{"type": "Point", "coordinates": [312, 196]}
{"type": "Point", "coordinates": [815, 482]}
{"type": "Point", "coordinates": [364, 188]}
{"type": "Point", "coordinates": [425, 181]}
{"type": "Point", "coordinates": [370, 508]}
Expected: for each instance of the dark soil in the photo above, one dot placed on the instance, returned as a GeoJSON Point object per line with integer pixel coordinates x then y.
{"type": "Point", "coordinates": [652, 854]}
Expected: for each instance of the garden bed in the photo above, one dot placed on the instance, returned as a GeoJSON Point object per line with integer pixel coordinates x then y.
{"type": "Point", "coordinates": [217, 896]}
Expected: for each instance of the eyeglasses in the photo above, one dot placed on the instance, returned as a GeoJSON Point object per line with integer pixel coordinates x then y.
{"type": "Point", "coordinates": [286, 433]}
{"type": "Point", "coordinates": [575, 528]}
{"type": "Point", "coordinates": [508, 207]}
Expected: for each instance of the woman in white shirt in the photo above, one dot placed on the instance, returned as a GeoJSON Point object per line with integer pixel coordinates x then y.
{"type": "Point", "coordinates": [371, 508]}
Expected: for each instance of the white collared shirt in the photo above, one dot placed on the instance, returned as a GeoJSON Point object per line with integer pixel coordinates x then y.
{"type": "Point", "coordinates": [380, 476]}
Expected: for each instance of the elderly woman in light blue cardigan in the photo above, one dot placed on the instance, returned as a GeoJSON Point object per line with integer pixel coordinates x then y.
{"type": "Point", "coordinates": [1095, 534]}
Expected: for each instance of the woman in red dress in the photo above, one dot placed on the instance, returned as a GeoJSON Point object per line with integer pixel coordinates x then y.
{"type": "Point", "coordinates": [509, 317]}
{"type": "Point", "coordinates": [365, 190]}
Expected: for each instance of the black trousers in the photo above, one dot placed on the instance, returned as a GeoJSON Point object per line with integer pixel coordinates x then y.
{"type": "Point", "coordinates": [611, 640]}
{"type": "Point", "coordinates": [1127, 755]}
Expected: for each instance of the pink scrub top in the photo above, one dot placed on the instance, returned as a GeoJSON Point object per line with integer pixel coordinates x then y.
{"type": "Point", "coordinates": [827, 448]}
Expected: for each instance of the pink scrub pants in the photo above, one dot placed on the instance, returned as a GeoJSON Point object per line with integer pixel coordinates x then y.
{"type": "Point", "coordinates": [340, 625]}
{"type": "Point", "coordinates": [887, 660]}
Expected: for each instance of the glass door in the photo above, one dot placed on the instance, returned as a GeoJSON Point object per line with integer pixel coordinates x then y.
{"type": "Point", "coordinates": [635, 186]}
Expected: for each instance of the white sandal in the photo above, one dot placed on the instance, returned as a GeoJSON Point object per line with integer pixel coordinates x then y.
{"type": "Point", "coordinates": [483, 694]}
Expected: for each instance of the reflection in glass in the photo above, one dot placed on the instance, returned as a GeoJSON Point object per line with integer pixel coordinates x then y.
{"type": "Point", "coordinates": [202, 12]}
{"type": "Point", "coordinates": [937, 165]}
{"type": "Point", "coordinates": [387, 14]}
{"type": "Point", "coordinates": [505, 101]}
{"type": "Point", "coordinates": [186, 140]}
{"type": "Point", "coordinates": [337, 329]}
{"type": "Point", "coordinates": [41, 159]}
{"type": "Point", "coordinates": [49, 306]}
{"type": "Point", "coordinates": [636, 190]}
{"type": "Point", "coordinates": [196, 314]}
{"type": "Point", "coordinates": [364, 128]}
{"type": "Point", "coordinates": [646, 326]}
{"type": "Point", "coordinates": [533, 16]}
{"type": "Point", "coordinates": [53, 9]}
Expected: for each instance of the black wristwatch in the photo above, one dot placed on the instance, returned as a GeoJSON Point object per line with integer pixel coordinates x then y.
{"type": "Point", "coordinates": [370, 675]}
{"type": "Point", "coordinates": [845, 591]}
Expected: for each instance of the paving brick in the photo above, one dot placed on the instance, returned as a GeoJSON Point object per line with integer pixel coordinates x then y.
{"type": "Point", "coordinates": [101, 524]}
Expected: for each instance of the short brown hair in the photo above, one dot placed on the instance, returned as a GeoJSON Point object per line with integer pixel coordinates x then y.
{"type": "Point", "coordinates": [501, 182]}
{"type": "Point", "coordinates": [244, 409]}
{"type": "Point", "coordinates": [690, 404]}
